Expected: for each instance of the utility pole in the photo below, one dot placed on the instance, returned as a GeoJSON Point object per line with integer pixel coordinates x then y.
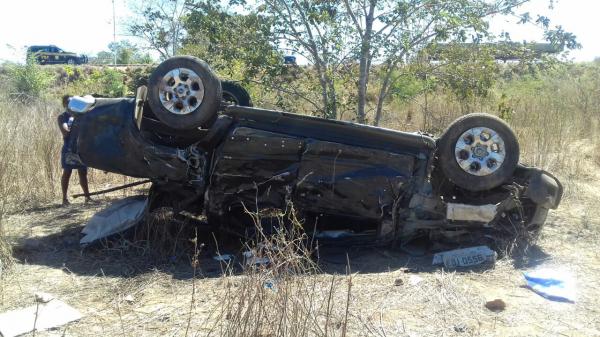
{"type": "Point", "coordinates": [114, 34]}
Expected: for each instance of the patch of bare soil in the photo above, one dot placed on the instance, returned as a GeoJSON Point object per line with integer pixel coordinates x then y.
{"type": "Point", "coordinates": [127, 291]}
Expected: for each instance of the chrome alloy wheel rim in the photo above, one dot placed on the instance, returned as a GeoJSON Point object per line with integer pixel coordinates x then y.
{"type": "Point", "coordinates": [181, 91]}
{"type": "Point", "coordinates": [480, 151]}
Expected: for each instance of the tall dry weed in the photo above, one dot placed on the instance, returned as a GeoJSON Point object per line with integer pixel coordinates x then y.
{"type": "Point", "coordinates": [5, 250]}
{"type": "Point", "coordinates": [281, 290]}
{"type": "Point", "coordinates": [30, 150]}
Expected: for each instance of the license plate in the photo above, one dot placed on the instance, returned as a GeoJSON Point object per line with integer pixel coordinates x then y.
{"type": "Point", "coordinates": [453, 261]}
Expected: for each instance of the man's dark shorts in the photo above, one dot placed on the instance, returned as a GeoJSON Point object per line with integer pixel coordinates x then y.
{"type": "Point", "coordinates": [68, 163]}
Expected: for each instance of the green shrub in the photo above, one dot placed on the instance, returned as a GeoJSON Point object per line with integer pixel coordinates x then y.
{"type": "Point", "coordinates": [29, 79]}
{"type": "Point", "coordinates": [102, 81]}
{"type": "Point", "coordinates": [113, 83]}
{"type": "Point", "coordinates": [136, 77]}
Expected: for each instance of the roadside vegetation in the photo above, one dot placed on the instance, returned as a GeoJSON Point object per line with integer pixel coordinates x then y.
{"type": "Point", "coordinates": [552, 107]}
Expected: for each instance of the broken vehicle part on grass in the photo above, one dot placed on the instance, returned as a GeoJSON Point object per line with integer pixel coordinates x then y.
{"type": "Point", "coordinates": [206, 155]}
{"type": "Point", "coordinates": [119, 216]}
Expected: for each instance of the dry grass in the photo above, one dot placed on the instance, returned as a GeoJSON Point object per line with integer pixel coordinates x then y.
{"type": "Point", "coordinates": [285, 296]}
{"type": "Point", "coordinates": [6, 259]}
{"type": "Point", "coordinates": [122, 292]}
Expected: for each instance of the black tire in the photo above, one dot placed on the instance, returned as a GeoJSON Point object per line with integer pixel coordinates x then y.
{"type": "Point", "coordinates": [234, 93]}
{"type": "Point", "coordinates": [460, 177]}
{"type": "Point", "coordinates": [205, 113]}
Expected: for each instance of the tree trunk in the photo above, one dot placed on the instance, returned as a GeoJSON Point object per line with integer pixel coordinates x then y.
{"type": "Point", "coordinates": [332, 108]}
{"type": "Point", "coordinates": [365, 63]}
{"type": "Point", "coordinates": [383, 92]}
{"type": "Point", "coordinates": [323, 81]}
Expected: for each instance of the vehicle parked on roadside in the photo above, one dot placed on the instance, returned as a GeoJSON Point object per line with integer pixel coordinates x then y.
{"type": "Point", "coordinates": [51, 54]}
{"type": "Point", "coordinates": [216, 157]}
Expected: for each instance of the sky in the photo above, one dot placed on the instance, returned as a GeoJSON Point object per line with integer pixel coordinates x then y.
{"type": "Point", "coordinates": [86, 26]}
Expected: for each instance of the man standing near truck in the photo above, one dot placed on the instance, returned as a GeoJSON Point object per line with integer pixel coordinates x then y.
{"type": "Point", "coordinates": [65, 123]}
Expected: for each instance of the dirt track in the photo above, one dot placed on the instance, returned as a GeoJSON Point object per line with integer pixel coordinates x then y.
{"type": "Point", "coordinates": [426, 302]}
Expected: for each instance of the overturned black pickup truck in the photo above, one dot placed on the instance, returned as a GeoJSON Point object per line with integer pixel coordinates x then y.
{"type": "Point", "coordinates": [208, 152]}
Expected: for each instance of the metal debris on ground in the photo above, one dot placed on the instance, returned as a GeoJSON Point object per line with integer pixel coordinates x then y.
{"type": "Point", "coordinates": [116, 218]}
{"type": "Point", "coordinates": [555, 284]}
{"type": "Point", "coordinates": [47, 313]}
{"type": "Point", "coordinates": [465, 257]}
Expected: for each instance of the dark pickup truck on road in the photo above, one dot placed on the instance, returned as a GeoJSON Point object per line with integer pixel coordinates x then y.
{"type": "Point", "coordinates": [51, 54]}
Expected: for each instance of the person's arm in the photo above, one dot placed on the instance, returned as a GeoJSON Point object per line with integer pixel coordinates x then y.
{"type": "Point", "coordinates": [63, 126]}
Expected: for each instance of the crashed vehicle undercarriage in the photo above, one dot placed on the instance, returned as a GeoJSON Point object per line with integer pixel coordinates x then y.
{"type": "Point", "coordinates": [208, 152]}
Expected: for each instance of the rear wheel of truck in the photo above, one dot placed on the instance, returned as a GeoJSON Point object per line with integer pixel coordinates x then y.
{"type": "Point", "coordinates": [235, 94]}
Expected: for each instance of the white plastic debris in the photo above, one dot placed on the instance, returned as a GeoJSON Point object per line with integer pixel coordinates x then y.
{"type": "Point", "coordinates": [555, 284]}
{"type": "Point", "coordinates": [465, 257]}
{"type": "Point", "coordinates": [413, 280]}
{"type": "Point", "coordinates": [42, 316]}
{"type": "Point", "coordinates": [116, 218]}
{"type": "Point", "coordinates": [463, 212]}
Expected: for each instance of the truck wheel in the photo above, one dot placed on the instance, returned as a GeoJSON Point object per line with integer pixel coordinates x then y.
{"type": "Point", "coordinates": [235, 94]}
{"type": "Point", "coordinates": [478, 152]}
{"type": "Point", "coordinates": [71, 61]}
{"type": "Point", "coordinates": [184, 93]}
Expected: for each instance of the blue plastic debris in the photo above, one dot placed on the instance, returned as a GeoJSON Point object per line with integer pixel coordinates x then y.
{"type": "Point", "coordinates": [271, 285]}
{"type": "Point", "coordinates": [553, 284]}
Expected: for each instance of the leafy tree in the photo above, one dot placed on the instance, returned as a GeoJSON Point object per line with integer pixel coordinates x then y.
{"type": "Point", "coordinates": [393, 32]}
{"type": "Point", "coordinates": [466, 72]}
{"type": "Point", "coordinates": [128, 53]}
{"type": "Point", "coordinates": [159, 24]}
{"type": "Point", "coordinates": [238, 45]}
{"type": "Point", "coordinates": [385, 34]}
{"type": "Point", "coordinates": [103, 57]}
{"type": "Point", "coordinates": [316, 31]}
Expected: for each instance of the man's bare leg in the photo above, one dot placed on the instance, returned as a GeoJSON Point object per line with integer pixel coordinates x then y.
{"type": "Point", "coordinates": [64, 184]}
{"type": "Point", "coordinates": [83, 181]}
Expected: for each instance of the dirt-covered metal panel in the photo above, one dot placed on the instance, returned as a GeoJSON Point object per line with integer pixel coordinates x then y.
{"type": "Point", "coordinates": [351, 181]}
{"type": "Point", "coordinates": [253, 166]}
